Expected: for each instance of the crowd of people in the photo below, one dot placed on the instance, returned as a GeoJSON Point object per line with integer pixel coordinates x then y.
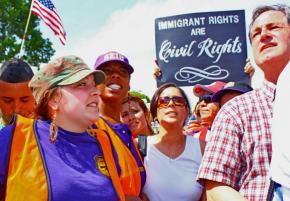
{"type": "Point", "coordinates": [70, 132]}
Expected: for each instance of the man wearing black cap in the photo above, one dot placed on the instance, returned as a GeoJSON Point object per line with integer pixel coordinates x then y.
{"type": "Point", "coordinates": [112, 94]}
{"type": "Point", "coordinates": [15, 95]}
{"type": "Point", "coordinates": [231, 90]}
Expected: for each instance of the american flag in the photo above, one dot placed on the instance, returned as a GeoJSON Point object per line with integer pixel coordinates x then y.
{"type": "Point", "coordinates": [46, 10]}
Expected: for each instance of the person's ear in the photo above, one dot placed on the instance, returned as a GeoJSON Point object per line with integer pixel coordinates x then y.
{"type": "Point", "coordinates": [129, 81]}
{"type": "Point", "coordinates": [54, 102]}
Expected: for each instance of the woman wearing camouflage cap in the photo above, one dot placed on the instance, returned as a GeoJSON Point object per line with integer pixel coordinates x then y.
{"type": "Point", "coordinates": [57, 156]}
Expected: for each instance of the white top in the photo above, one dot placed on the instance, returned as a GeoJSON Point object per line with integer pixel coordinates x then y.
{"type": "Point", "coordinates": [280, 163]}
{"type": "Point", "coordinates": [173, 179]}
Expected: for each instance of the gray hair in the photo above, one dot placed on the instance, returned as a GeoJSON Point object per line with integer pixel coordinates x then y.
{"type": "Point", "coordinates": [261, 9]}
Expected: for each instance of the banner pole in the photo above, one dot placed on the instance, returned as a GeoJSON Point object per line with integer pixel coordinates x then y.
{"type": "Point", "coordinates": [24, 35]}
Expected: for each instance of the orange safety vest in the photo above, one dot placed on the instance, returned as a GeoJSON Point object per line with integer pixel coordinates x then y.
{"type": "Point", "coordinates": [130, 177]}
{"type": "Point", "coordinates": [27, 179]}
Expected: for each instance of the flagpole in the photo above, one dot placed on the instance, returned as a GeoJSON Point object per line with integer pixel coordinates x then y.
{"type": "Point", "coordinates": [24, 35]}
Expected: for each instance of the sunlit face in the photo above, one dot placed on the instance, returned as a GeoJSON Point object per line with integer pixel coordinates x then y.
{"type": "Point", "coordinates": [133, 115]}
{"type": "Point", "coordinates": [172, 114]}
{"type": "Point", "coordinates": [16, 98]}
{"type": "Point", "coordinates": [116, 86]}
{"type": "Point", "coordinates": [196, 111]}
{"type": "Point", "coordinates": [270, 35]}
{"type": "Point", "coordinates": [208, 110]}
{"type": "Point", "coordinates": [78, 103]}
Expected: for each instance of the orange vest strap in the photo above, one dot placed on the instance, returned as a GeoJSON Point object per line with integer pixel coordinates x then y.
{"type": "Point", "coordinates": [130, 177]}
{"type": "Point", "coordinates": [110, 162]}
{"type": "Point", "coordinates": [25, 168]}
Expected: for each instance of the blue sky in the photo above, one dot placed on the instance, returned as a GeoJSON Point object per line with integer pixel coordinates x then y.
{"type": "Point", "coordinates": [82, 20]}
{"type": "Point", "coordinates": [95, 27]}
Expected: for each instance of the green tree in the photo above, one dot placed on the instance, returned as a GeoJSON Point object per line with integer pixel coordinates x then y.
{"type": "Point", "coordinates": [13, 18]}
{"type": "Point", "coordinates": [140, 95]}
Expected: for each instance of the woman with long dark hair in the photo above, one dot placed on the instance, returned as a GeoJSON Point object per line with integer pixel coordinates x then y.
{"type": "Point", "coordinates": [173, 158]}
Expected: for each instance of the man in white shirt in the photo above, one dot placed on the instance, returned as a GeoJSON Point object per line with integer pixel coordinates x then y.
{"type": "Point", "coordinates": [280, 171]}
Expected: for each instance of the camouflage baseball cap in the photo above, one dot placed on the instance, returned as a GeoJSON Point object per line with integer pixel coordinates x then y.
{"type": "Point", "coordinates": [62, 71]}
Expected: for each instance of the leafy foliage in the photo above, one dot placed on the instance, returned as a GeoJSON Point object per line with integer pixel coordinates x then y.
{"type": "Point", "coordinates": [140, 95]}
{"type": "Point", "coordinates": [13, 18]}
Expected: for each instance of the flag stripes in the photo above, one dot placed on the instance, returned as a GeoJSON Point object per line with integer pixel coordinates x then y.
{"type": "Point", "coordinates": [47, 12]}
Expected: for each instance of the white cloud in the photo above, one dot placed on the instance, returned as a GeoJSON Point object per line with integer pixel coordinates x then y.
{"type": "Point", "coordinates": [131, 32]}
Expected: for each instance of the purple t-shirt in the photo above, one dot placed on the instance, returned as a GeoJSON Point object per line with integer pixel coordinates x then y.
{"type": "Point", "coordinates": [74, 164]}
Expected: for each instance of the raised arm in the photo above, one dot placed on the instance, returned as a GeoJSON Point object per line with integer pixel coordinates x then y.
{"type": "Point", "coordinates": [156, 70]}
{"type": "Point", "coordinates": [216, 191]}
{"type": "Point", "coordinates": [249, 69]}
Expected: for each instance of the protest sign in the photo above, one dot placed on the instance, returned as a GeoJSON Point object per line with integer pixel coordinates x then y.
{"type": "Point", "coordinates": [201, 47]}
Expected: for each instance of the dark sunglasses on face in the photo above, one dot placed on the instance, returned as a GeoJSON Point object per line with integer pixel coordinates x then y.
{"type": "Point", "coordinates": [206, 98]}
{"type": "Point", "coordinates": [176, 100]}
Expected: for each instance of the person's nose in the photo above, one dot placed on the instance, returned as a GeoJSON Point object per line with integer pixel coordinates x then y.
{"type": "Point", "coordinates": [95, 91]}
{"type": "Point", "coordinates": [115, 75]}
{"type": "Point", "coordinates": [171, 103]}
{"type": "Point", "coordinates": [202, 104]}
{"type": "Point", "coordinates": [131, 116]}
{"type": "Point", "coordinates": [265, 34]}
{"type": "Point", "coordinates": [17, 107]}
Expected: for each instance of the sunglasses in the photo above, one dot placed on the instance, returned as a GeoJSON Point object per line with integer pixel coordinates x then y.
{"type": "Point", "coordinates": [206, 98]}
{"type": "Point", "coordinates": [176, 100]}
